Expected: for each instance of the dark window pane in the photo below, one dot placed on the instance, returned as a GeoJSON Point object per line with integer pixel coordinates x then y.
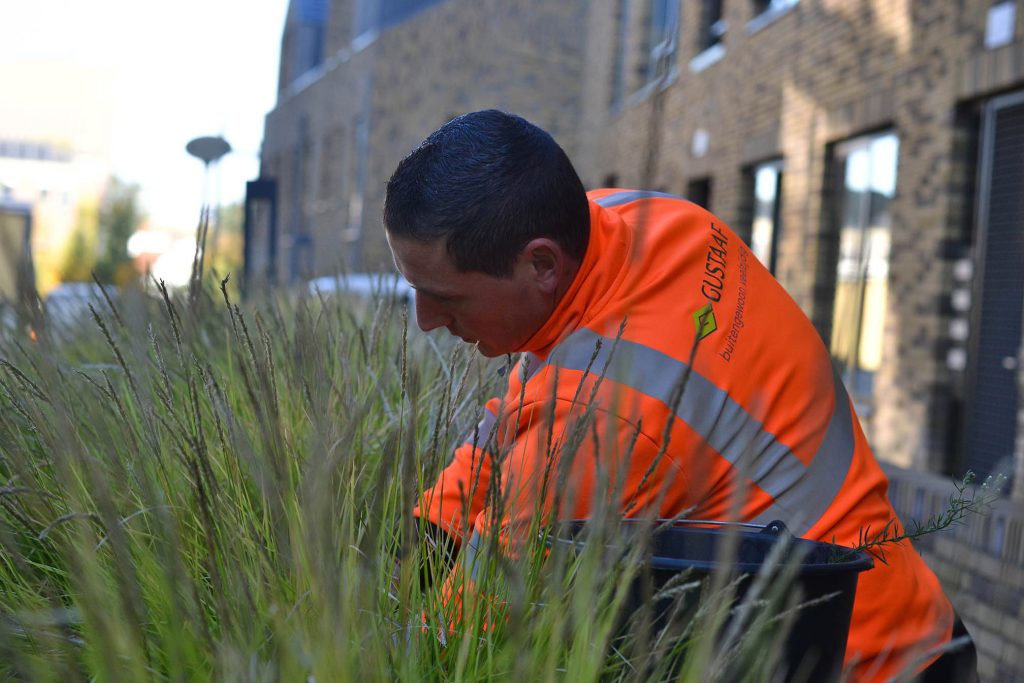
{"type": "Point", "coordinates": [712, 27]}
{"type": "Point", "coordinates": [698, 191]}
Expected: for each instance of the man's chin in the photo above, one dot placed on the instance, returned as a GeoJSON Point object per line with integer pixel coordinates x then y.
{"type": "Point", "coordinates": [485, 350]}
{"type": "Point", "coordinates": [482, 347]}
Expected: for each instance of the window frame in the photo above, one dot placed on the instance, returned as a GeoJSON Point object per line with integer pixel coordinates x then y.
{"type": "Point", "coordinates": [666, 50]}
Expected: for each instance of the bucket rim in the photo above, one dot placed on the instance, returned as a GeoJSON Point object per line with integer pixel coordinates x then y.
{"type": "Point", "coordinates": [851, 562]}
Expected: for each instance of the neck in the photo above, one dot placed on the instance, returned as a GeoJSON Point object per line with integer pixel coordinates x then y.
{"type": "Point", "coordinates": [572, 268]}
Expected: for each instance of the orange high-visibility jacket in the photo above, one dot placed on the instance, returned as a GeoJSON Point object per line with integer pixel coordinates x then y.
{"type": "Point", "coordinates": [762, 430]}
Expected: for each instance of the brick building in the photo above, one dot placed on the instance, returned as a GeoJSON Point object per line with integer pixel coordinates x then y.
{"type": "Point", "coordinates": [871, 152]}
{"type": "Point", "coordinates": [363, 82]}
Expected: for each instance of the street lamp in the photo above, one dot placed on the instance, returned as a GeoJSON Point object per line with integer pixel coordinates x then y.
{"type": "Point", "coordinates": [208, 149]}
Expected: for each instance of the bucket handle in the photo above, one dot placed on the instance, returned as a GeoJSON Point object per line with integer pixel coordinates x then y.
{"type": "Point", "coordinates": [773, 528]}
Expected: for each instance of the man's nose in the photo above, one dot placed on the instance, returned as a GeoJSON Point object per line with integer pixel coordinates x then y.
{"type": "Point", "coordinates": [429, 316]}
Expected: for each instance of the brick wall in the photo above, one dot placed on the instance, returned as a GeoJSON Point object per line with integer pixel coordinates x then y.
{"type": "Point", "coordinates": [466, 55]}
{"type": "Point", "coordinates": [980, 564]}
{"type": "Point", "coordinates": [822, 72]}
{"type": "Point", "coordinates": [340, 131]}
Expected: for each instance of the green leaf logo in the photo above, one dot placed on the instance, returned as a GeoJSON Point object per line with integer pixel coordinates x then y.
{"type": "Point", "coordinates": [704, 321]}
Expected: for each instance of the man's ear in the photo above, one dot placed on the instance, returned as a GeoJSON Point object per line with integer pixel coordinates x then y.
{"type": "Point", "coordinates": [548, 264]}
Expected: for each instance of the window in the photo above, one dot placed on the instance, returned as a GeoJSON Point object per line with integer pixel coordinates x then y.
{"type": "Point", "coordinates": [1000, 24]}
{"type": "Point", "coordinates": [299, 191]}
{"type": "Point", "coordinates": [367, 17]}
{"type": "Point", "coordinates": [866, 170]}
{"type": "Point", "coordinates": [661, 39]}
{"type": "Point", "coordinates": [327, 179]}
{"type": "Point", "coordinates": [360, 163]}
{"type": "Point", "coordinates": [766, 12]}
{"type": "Point", "coordinates": [309, 33]}
{"type": "Point", "coordinates": [396, 11]}
{"type": "Point", "coordinates": [698, 191]}
{"type": "Point", "coordinates": [712, 26]}
{"type": "Point", "coordinates": [765, 225]}
{"type": "Point", "coordinates": [373, 16]}
{"type": "Point", "coordinates": [772, 6]}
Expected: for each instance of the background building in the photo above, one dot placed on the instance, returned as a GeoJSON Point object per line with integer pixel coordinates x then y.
{"type": "Point", "coordinates": [55, 150]}
{"type": "Point", "coordinates": [871, 152]}
{"type": "Point", "coordinates": [362, 83]}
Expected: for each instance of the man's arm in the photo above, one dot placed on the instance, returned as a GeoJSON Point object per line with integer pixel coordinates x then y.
{"type": "Point", "coordinates": [438, 550]}
{"type": "Point", "coordinates": [453, 503]}
{"type": "Point", "coordinates": [446, 511]}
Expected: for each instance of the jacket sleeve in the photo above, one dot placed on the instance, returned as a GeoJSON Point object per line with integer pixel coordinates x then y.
{"type": "Point", "coordinates": [460, 492]}
{"type": "Point", "coordinates": [561, 458]}
{"type": "Point", "coordinates": [569, 458]}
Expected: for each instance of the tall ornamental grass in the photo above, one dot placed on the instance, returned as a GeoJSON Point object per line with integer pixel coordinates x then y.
{"type": "Point", "coordinates": [195, 490]}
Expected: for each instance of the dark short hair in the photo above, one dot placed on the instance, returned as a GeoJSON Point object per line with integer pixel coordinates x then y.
{"type": "Point", "coordinates": [487, 183]}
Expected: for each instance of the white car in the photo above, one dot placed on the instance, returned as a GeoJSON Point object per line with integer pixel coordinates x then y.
{"type": "Point", "coordinates": [364, 286]}
{"type": "Point", "coordinates": [67, 305]}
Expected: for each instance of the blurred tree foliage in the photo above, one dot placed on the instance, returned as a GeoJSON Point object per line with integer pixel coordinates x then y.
{"type": "Point", "coordinates": [100, 241]}
{"type": "Point", "coordinates": [119, 218]}
{"type": "Point", "coordinates": [225, 245]}
{"type": "Point", "coordinates": [79, 258]}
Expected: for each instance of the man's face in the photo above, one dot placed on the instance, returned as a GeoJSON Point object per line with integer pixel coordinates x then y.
{"type": "Point", "coordinates": [497, 314]}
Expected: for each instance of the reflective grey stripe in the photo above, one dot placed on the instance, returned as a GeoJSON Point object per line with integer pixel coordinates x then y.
{"type": "Point", "coordinates": [482, 433]}
{"type": "Point", "coordinates": [807, 498]}
{"type": "Point", "coordinates": [631, 196]}
{"type": "Point", "coordinates": [802, 493]}
{"type": "Point", "coordinates": [469, 555]}
{"type": "Point", "coordinates": [529, 364]}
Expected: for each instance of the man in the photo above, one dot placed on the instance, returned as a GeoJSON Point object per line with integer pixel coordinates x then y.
{"type": "Point", "coordinates": [709, 391]}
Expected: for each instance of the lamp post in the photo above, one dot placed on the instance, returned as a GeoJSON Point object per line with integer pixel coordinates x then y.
{"type": "Point", "coordinates": [209, 150]}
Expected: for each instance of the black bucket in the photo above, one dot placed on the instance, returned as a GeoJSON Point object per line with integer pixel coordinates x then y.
{"type": "Point", "coordinates": [815, 645]}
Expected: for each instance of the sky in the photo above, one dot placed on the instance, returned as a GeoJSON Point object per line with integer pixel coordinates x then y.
{"type": "Point", "coordinates": [181, 70]}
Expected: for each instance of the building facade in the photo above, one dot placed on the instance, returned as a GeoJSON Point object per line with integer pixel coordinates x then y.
{"type": "Point", "coordinates": [865, 149]}
{"type": "Point", "coordinates": [870, 151]}
{"type": "Point", "coordinates": [363, 82]}
{"type": "Point", "coordinates": [843, 139]}
{"type": "Point", "coordinates": [55, 150]}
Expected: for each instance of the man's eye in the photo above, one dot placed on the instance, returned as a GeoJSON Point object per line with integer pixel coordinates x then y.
{"type": "Point", "coordinates": [434, 298]}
